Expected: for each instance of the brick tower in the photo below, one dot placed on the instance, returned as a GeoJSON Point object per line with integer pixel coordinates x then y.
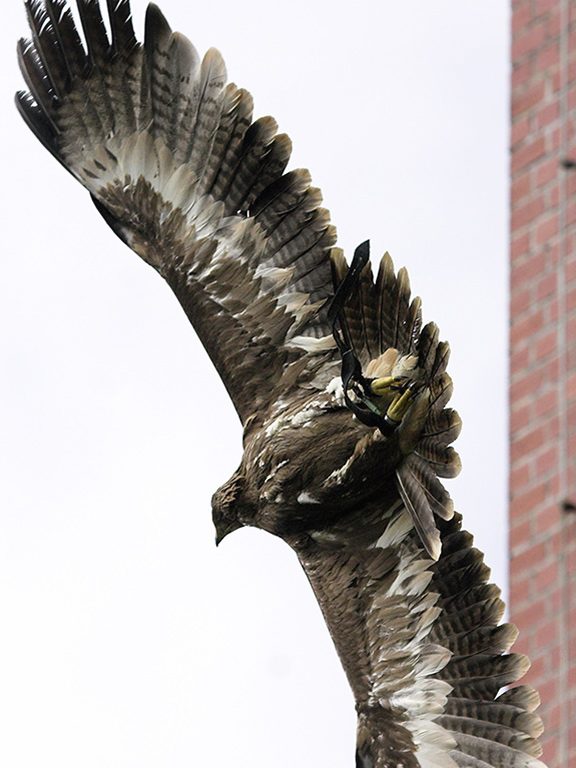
{"type": "Point", "coordinates": [543, 360]}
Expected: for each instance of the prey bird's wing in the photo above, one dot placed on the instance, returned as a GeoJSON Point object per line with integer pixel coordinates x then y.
{"type": "Point", "coordinates": [183, 174]}
{"type": "Point", "coordinates": [421, 644]}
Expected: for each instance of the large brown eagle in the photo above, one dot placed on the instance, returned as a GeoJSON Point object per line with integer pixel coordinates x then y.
{"type": "Point", "coordinates": [341, 391]}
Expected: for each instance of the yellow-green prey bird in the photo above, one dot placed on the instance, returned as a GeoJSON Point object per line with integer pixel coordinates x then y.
{"type": "Point", "coordinates": [341, 391]}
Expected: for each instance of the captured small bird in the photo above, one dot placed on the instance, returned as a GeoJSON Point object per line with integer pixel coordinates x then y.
{"type": "Point", "coordinates": [341, 390]}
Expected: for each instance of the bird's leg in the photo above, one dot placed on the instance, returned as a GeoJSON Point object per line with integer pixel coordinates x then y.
{"type": "Point", "coordinates": [400, 405]}
{"type": "Point", "coordinates": [386, 384]}
{"type": "Point", "coordinates": [401, 401]}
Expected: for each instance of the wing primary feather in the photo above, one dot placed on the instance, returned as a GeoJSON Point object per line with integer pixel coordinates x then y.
{"type": "Point", "coordinates": [523, 697]}
{"type": "Point", "coordinates": [37, 80]}
{"type": "Point", "coordinates": [121, 27]}
{"type": "Point", "coordinates": [69, 43]}
{"type": "Point", "coordinates": [95, 34]}
{"type": "Point", "coordinates": [161, 72]}
{"type": "Point", "coordinates": [497, 712]}
{"type": "Point", "coordinates": [47, 46]}
{"type": "Point", "coordinates": [204, 101]}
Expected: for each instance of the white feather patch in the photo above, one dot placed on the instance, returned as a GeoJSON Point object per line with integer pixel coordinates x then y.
{"type": "Point", "coordinates": [397, 530]}
{"type": "Point", "coordinates": [335, 388]}
{"type": "Point", "coordinates": [277, 276]}
{"type": "Point", "coordinates": [406, 664]}
{"type": "Point", "coordinates": [293, 302]}
{"type": "Point", "coordinates": [313, 345]}
{"type": "Point", "coordinates": [306, 498]}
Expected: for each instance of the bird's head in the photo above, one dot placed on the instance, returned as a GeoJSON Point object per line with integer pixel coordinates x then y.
{"type": "Point", "coordinates": [226, 506]}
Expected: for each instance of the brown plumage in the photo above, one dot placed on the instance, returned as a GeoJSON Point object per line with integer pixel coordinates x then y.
{"type": "Point", "coordinates": [180, 171]}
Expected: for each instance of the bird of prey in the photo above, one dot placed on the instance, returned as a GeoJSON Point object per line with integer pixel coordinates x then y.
{"type": "Point", "coordinates": [341, 391]}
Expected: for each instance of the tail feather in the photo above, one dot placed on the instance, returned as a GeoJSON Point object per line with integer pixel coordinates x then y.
{"type": "Point", "coordinates": [436, 495]}
{"type": "Point", "coordinates": [380, 316]}
{"type": "Point", "coordinates": [443, 426]}
{"type": "Point", "coordinates": [360, 317]}
{"type": "Point", "coordinates": [415, 500]}
{"type": "Point", "coordinates": [398, 318]}
{"type": "Point", "coordinates": [427, 346]}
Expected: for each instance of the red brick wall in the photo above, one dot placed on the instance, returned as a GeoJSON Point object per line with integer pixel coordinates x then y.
{"type": "Point", "coordinates": [543, 360]}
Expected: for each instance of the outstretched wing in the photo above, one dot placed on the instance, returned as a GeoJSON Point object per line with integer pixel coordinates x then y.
{"type": "Point", "coordinates": [181, 172]}
{"type": "Point", "coordinates": [421, 644]}
{"type": "Point", "coordinates": [404, 593]}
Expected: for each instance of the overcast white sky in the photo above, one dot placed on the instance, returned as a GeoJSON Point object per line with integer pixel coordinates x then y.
{"type": "Point", "coordinates": [127, 639]}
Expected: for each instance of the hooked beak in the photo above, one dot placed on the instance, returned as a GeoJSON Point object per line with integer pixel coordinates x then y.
{"type": "Point", "coordinates": [223, 530]}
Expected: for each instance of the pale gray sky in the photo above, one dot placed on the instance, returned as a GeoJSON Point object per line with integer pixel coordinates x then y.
{"type": "Point", "coordinates": [127, 639]}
